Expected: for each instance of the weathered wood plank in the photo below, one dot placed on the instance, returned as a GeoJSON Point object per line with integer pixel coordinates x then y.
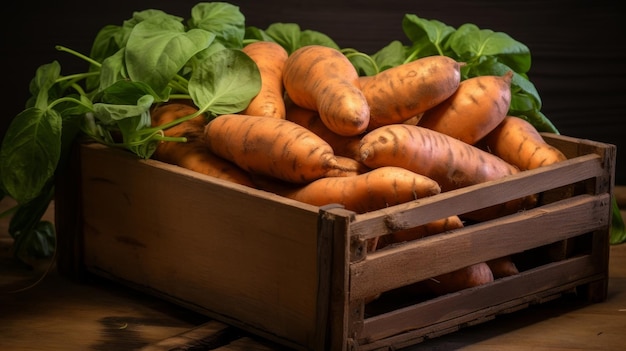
{"type": "Point", "coordinates": [444, 253]}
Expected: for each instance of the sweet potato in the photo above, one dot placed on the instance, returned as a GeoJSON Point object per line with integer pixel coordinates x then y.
{"type": "Point", "coordinates": [463, 278]}
{"type": "Point", "coordinates": [346, 166]}
{"type": "Point", "coordinates": [413, 120]}
{"type": "Point", "coordinates": [270, 59]}
{"type": "Point", "coordinates": [193, 154]}
{"type": "Point", "coordinates": [452, 163]}
{"type": "Point", "coordinates": [516, 141]}
{"type": "Point", "coordinates": [449, 161]}
{"type": "Point", "coordinates": [373, 190]}
{"type": "Point", "coordinates": [502, 267]}
{"type": "Point", "coordinates": [321, 78]}
{"type": "Point", "coordinates": [347, 146]}
{"type": "Point", "coordinates": [475, 109]}
{"type": "Point", "coordinates": [466, 277]}
{"type": "Point", "coordinates": [405, 91]}
{"type": "Point", "coordinates": [432, 228]}
{"type": "Point", "coordinates": [270, 146]}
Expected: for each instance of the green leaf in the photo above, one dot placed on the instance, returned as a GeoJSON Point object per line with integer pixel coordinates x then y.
{"type": "Point", "coordinates": [363, 63]}
{"type": "Point", "coordinates": [131, 121]}
{"type": "Point", "coordinates": [139, 121]}
{"type": "Point", "coordinates": [121, 37]}
{"type": "Point", "coordinates": [113, 70]}
{"type": "Point", "coordinates": [28, 214]}
{"type": "Point", "coordinates": [125, 92]}
{"type": "Point", "coordinates": [40, 242]}
{"type": "Point", "coordinates": [618, 230]}
{"type": "Point", "coordinates": [110, 114]}
{"type": "Point", "coordinates": [30, 152]}
{"type": "Point", "coordinates": [390, 56]}
{"type": "Point", "coordinates": [368, 65]}
{"type": "Point", "coordinates": [149, 14]}
{"type": "Point", "coordinates": [285, 34]}
{"type": "Point", "coordinates": [106, 43]}
{"type": "Point", "coordinates": [159, 47]}
{"type": "Point", "coordinates": [45, 78]}
{"type": "Point", "coordinates": [225, 82]}
{"type": "Point", "coordinates": [524, 95]}
{"type": "Point", "coordinates": [540, 121]}
{"type": "Point", "coordinates": [470, 43]}
{"type": "Point", "coordinates": [255, 33]}
{"type": "Point", "coordinates": [202, 55]}
{"type": "Point", "coordinates": [71, 109]}
{"type": "Point", "coordinates": [290, 36]}
{"type": "Point", "coordinates": [522, 102]}
{"type": "Point", "coordinates": [428, 37]}
{"type": "Point", "coordinates": [312, 37]}
{"type": "Point", "coordinates": [222, 19]}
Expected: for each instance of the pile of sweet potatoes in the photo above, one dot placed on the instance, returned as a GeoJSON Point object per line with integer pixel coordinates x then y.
{"type": "Point", "coordinates": [319, 133]}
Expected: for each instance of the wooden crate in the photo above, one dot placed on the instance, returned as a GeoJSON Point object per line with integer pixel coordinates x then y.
{"type": "Point", "coordinates": [300, 275]}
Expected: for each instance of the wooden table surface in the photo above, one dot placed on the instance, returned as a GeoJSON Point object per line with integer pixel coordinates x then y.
{"type": "Point", "coordinates": [41, 310]}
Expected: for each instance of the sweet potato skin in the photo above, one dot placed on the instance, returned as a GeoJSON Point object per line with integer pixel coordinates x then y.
{"type": "Point", "coordinates": [321, 78]}
{"type": "Point", "coordinates": [369, 191]}
{"type": "Point", "coordinates": [449, 161]}
{"type": "Point", "coordinates": [477, 106]}
{"type": "Point", "coordinates": [270, 59]}
{"type": "Point", "coordinates": [408, 90]}
{"type": "Point", "coordinates": [270, 146]}
{"type": "Point", "coordinates": [502, 267]}
{"type": "Point", "coordinates": [467, 277]}
{"type": "Point", "coordinates": [516, 141]}
{"type": "Point", "coordinates": [347, 146]}
{"type": "Point", "coordinates": [422, 231]}
{"type": "Point", "coordinates": [193, 154]}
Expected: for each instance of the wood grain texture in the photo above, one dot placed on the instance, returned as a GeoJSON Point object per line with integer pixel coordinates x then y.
{"type": "Point", "coordinates": [140, 232]}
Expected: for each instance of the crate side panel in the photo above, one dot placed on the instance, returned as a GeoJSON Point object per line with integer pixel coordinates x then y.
{"type": "Point", "coordinates": [229, 252]}
{"type": "Point", "coordinates": [502, 295]}
{"type": "Point", "coordinates": [446, 252]}
{"type": "Point", "coordinates": [578, 213]}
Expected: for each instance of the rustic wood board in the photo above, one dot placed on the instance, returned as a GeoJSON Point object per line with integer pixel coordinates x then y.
{"type": "Point", "coordinates": [172, 226]}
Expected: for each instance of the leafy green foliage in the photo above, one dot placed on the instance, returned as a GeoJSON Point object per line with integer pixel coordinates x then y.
{"type": "Point", "coordinates": [428, 37]}
{"type": "Point", "coordinates": [40, 242]}
{"type": "Point", "coordinates": [159, 47]}
{"type": "Point", "coordinates": [30, 152]}
{"type": "Point", "coordinates": [618, 229]}
{"type": "Point", "coordinates": [230, 90]}
{"type": "Point", "coordinates": [482, 51]}
{"type": "Point", "coordinates": [290, 36]}
{"type": "Point", "coordinates": [33, 238]}
{"type": "Point", "coordinates": [222, 19]}
{"type": "Point", "coordinates": [153, 57]}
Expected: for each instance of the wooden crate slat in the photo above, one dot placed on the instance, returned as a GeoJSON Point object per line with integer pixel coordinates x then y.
{"type": "Point", "coordinates": [525, 287]}
{"type": "Point", "coordinates": [438, 254]}
{"type": "Point", "coordinates": [467, 199]}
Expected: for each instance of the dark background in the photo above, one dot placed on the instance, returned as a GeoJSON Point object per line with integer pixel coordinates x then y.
{"type": "Point", "coordinates": [578, 47]}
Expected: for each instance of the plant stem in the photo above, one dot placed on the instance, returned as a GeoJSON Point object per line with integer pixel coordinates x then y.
{"type": "Point", "coordinates": [77, 54]}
